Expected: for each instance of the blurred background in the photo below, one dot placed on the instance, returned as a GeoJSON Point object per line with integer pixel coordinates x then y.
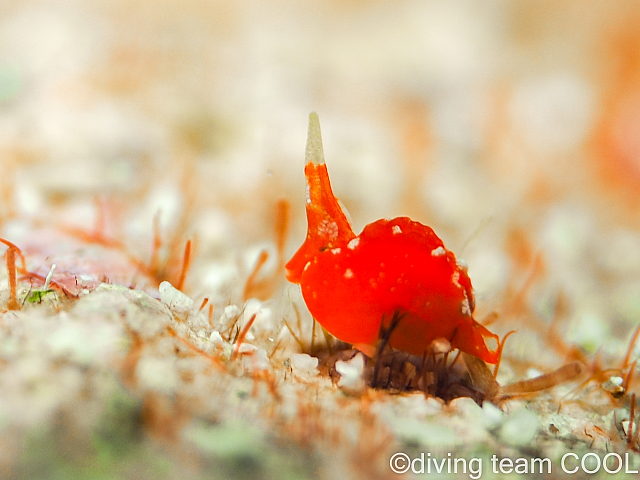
{"type": "Point", "coordinates": [511, 128]}
{"type": "Point", "coordinates": [130, 126]}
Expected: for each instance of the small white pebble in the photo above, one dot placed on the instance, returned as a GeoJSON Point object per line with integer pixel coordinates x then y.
{"type": "Point", "coordinates": [247, 348]}
{"type": "Point", "coordinates": [216, 338]}
{"type": "Point", "coordinates": [465, 308]}
{"type": "Point", "coordinates": [230, 311]}
{"type": "Point", "coordinates": [432, 406]}
{"type": "Point", "coordinates": [465, 406]}
{"type": "Point", "coordinates": [351, 373]}
{"type": "Point", "coordinates": [251, 307]}
{"type": "Point", "coordinates": [520, 428]}
{"type": "Point", "coordinates": [174, 298]}
{"type": "Point", "coordinates": [254, 358]}
{"type": "Point", "coordinates": [616, 380]}
{"type": "Point", "coordinates": [440, 345]}
{"type": "Point", "coordinates": [418, 406]}
{"type": "Point", "coordinates": [265, 319]}
{"type": "Point", "coordinates": [260, 360]}
{"type": "Point", "coordinates": [492, 415]}
{"type": "Point", "coordinates": [533, 373]}
{"type": "Point", "coordinates": [305, 364]}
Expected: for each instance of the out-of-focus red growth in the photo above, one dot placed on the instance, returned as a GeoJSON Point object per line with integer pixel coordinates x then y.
{"type": "Point", "coordinates": [250, 286]}
{"type": "Point", "coordinates": [616, 139]}
{"type": "Point", "coordinates": [264, 288]}
{"type": "Point", "coordinates": [282, 221]}
{"type": "Point", "coordinates": [414, 123]}
{"type": "Point", "coordinates": [186, 262]}
{"type": "Point", "coordinates": [169, 260]}
{"type": "Point", "coordinates": [10, 257]}
{"type": "Point", "coordinates": [242, 336]}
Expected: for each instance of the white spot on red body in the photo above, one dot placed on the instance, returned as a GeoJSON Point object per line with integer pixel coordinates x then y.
{"type": "Point", "coordinates": [462, 265]}
{"type": "Point", "coordinates": [464, 306]}
{"type": "Point", "coordinates": [396, 229]}
{"type": "Point", "coordinates": [438, 252]}
{"type": "Point", "coordinates": [336, 251]}
{"type": "Point", "coordinates": [329, 229]}
{"type": "Point", "coordinates": [353, 243]}
{"type": "Point", "coordinates": [348, 273]}
{"type": "Point", "coordinates": [455, 279]}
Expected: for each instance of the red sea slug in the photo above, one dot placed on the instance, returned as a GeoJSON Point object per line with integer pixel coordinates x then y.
{"type": "Point", "coordinates": [355, 284]}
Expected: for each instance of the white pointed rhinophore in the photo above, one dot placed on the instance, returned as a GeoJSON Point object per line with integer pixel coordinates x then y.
{"type": "Point", "coordinates": [314, 151]}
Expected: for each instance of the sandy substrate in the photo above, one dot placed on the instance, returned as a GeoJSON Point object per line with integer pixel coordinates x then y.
{"type": "Point", "coordinates": [152, 151]}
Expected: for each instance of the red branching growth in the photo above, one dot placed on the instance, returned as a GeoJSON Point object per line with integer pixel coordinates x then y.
{"type": "Point", "coordinates": [626, 370]}
{"type": "Point", "coordinates": [373, 441]}
{"type": "Point", "coordinates": [154, 263]}
{"type": "Point", "coordinates": [170, 258]}
{"type": "Point", "coordinates": [561, 375]}
{"type": "Point", "coordinates": [250, 285]}
{"type": "Point", "coordinates": [98, 238]}
{"type": "Point", "coordinates": [203, 304]}
{"type": "Point", "coordinates": [312, 425]}
{"type": "Point", "coordinates": [12, 268]}
{"type": "Point", "coordinates": [210, 316]}
{"type": "Point", "coordinates": [283, 213]}
{"type": "Point", "coordinates": [242, 336]}
{"type": "Point", "coordinates": [132, 358]}
{"type": "Point", "coordinates": [186, 262]}
{"type": "Point", "coordinates": [270, 381]}
{"type": "Point", "coordinates": [500, 349]}
{"type": "Point", "coordinates": [196, 350]}
{"type": "Point", "coordinates": [10, 258]}
{"type": "Point", "coordinates": [17, 251]}
{"type": "Point", "coordinates": [264, 288]}
{"type": "Point", "coordinates": [163, 417]}
{"type": "Point", "coordinates": [413, 120]}
{"type": "Point", "coordinates": [615, 138]}
{"type": "Point", "coordinates": [632, 438]}
{"type": "Point", "coordinates": [632, 343]}
{"type": "Point", "coordinates": [157, 269]}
